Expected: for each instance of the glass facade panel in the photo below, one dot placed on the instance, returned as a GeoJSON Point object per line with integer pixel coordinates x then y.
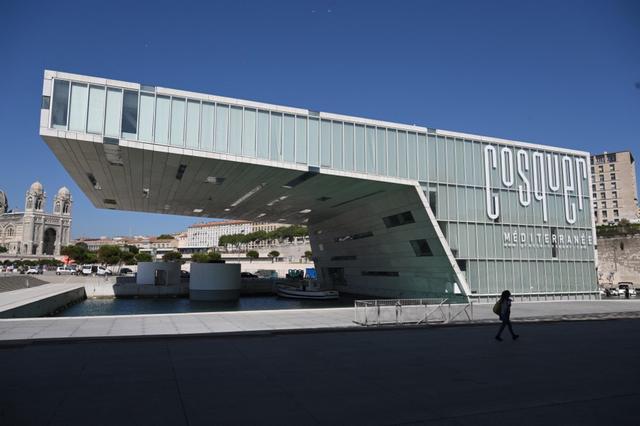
{"type": "Point", "coordinates": [360, 149]}
{"type": "Point", "coordinates": [193, 123]}
{"type": "Point", "coordinates": [314, 142]}
{"type": "Point", "coordinates": [276, 137]}
{"type": "Point", "coordinates": [95, 120]}
{"type": "Point", "coordinates": [177, 121]}
{"type": "Point", "coordinates": [348, 146]}
{"type": "Point", "coordinates": [235, 131]}
{"type": "Point", "coordinates": [222, 128]}
{"type": "Point", "coordinates": [412, 156]}
{"type": "Point", "coordinates": [249, 133]}
{"type": "Point", "coordinates": [207, 126]}
{"type": "Point", "coordinates": [112, 116]}
{"type": "Point", "coordinates": [381, 151]}
{"type": "Point", "coordinates": [163, 114]}
{"type": "Point", "coordinates": [325, 143]}
{"type": "Point", "coordinates": [262, 134]}
{"type": "Point", "coordinates": [337, 145]}
{"type": "Point", "coordinates": [78, 107]}
{"type": "Point", "coordinates": [288, 138]}
{"type": "Point", "coordinates": [145, 127]}
{"type": "Point", "coordinates": [60, 104]}
{"type": "Point", "coordinates": [301, 139]}
{"type": "Point", "coordinates": [402, 154]}
{"type": "Point", "coordinates": [371, 149]}
{"type": "Point", "coordinates": [392, 152]}
{"type": "Point", "coordinates": [422, 158]}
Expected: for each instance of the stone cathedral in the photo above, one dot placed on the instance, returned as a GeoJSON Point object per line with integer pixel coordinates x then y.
{"type": "Point", "coordinates": [35, 232]}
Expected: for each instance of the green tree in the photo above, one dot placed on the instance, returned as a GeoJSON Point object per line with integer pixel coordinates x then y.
{"type": "Point", "coordinates": [3, 249]}
{"type": "Point", "coordinates": [273, 255]}
{"type": "Point", "coordinates": [172, 256]}
{"type": "Point", "coordinates": [128, 258]}
{"type": "Point", "coordinates": [78, 253]}
{"type": "Point", "coordinates": [165, 237]}
{"type": "Point", "coordinates": [143, 257]}
{"type": "Point", "coordinates": [308, 254]}
{"type": "Point", "coordinates": [211, 257]}
{"type": "Point", "coordinates": [252, 254]}
{"type": "Point", "coordinates": [131, 249]}
{"type": "Point", "coordinates": [109, 254]}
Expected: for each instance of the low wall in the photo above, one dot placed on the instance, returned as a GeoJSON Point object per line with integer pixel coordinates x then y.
{"type": "Point", "coordinates": [137, 290]}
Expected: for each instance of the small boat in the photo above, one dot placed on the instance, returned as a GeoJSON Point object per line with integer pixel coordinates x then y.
{"type": "Point", "coordinates": [305, 291]}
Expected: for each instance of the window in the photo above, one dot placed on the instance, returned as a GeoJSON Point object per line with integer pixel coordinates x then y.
{"type": "Point", "coordinates": [604, 214]}
{"type": "Point", "coordinates": [130, 114]}
{"type": "Point", "coordinates": [336, 258]}
{"type": "Point", "coordinates": [421, 248]}
{"type": "Point", "coordinates": [163, 112]}
{"type": "Point", "coordinates": [593, 188]}
{"type": "Point", "coordinates": [600, 169]}
{"type": "Point", "coordinates": [614, 194]}
{"type": "Point", "coordinates": [145, 127]}
{"type": "Point", "coordinates": [612, 176]}
{"type": "Point", "coordinates": [380, 273]}
{"type": "Point", "coordinates": [603, 195]}
{"type": "Point", "coordinates": [357, 236]}
{"type": "Point", "coordinates": [599, 159]}
{"type": "Point", "coordinates": [612, 167]}
{"type": "Point", "coordinates": [603, 205]}
{"type": "Point", "coordinates": [601, 178]}
{"type": "Point", "coordinates": [593, 170]}
{"type": "Point", "coordinates": [78, 107]}
{"type": "Point", "coordinates": [615, 204]}
{"type": "Point", "coordinates": [614, 185]}
{"type": "Point", "coordinates": [602, 187]}
{"type": "Point", "coordinates": [595, 196]}
{"type": "Point", "coordinates": [399, 219]}
{"type": "Point", "coordinates": [611, 158]}
{"type": "Point", "coordinates": [60, 105]}
{"type": "Point", "coordinates": [616, 213]}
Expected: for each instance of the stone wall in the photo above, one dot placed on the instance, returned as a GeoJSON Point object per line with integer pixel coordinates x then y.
{"type": "Point", "coordinates": [619, 260]}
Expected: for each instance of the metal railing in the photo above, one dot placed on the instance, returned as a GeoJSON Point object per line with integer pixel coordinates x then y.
{"type": "Point", "coordinates": [411, 311]}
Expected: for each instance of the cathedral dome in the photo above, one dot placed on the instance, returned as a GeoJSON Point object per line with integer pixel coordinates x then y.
{"type": "Point", "coordinates": [64, 192]}
{"type": "Point", "coordinates": [36, 187]}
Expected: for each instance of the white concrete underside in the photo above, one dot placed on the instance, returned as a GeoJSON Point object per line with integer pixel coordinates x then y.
{"type": "Point", "coordinates": [340, 203]}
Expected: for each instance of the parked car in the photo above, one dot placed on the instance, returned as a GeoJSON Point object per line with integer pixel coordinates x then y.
{"type": "Point", "coordinates": [623, 286]}
{"type": "Point", "coordinates": [248, 275]}
{"type": "Point", "coordinates": [96, 270]}
{"type": "Point", "coordinates": [126, 271]}
{"type": "Point", "coordinates": [185, 274]}
{"type": "Point", "coordinates": [66, 270]}
{"type": "Point", "coordinates": [102, 271]}
{"type": "Point", "coordinates": [33, 271]}
{"type": "Point", "coordinates": [267, 273]}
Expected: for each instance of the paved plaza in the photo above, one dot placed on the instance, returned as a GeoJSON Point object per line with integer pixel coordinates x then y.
{"type": "Point", "coordinates": [558, 373]}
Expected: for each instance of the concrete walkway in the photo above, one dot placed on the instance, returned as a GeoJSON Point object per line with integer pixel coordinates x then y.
{"type": "Point", "coordinates": [561, 373]}
{"type": "Point", "coordinates": [11, 300]}
{"type": "Point", "coordinates": [280, 320]}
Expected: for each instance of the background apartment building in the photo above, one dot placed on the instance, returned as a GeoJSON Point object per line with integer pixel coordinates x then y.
{"type": "Point", "coordinates": [615, 194]}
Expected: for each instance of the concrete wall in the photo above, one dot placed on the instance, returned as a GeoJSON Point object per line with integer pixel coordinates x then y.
{"type": "Point", "coordinates": [214, 281]}
{"type": "Point", "coordinates": [147, 272]}
{"type": "Point", "coordinates": [619, 260]}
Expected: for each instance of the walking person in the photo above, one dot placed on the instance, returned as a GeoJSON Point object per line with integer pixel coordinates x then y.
{"type": "Point", "coordinates": [505, 314]}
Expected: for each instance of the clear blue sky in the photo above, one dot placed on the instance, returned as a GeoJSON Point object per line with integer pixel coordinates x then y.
{"type": "Point", "coordinates": [558, 73]}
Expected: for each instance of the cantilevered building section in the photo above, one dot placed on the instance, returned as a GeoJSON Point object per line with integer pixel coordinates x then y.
{"type": "Point", "coordinates": [393, 210]}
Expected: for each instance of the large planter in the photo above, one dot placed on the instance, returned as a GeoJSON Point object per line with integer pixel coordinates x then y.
{"type": "Point", "coordinates": [158, 273]}
{"type": "Point", "coordinates": [214, 281]}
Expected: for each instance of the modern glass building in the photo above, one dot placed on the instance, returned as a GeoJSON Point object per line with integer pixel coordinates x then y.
{"type": "Point", "coordinates": [393, 210]}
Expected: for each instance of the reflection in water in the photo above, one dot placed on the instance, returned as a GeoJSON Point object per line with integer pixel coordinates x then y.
{"type": "Point", "coordinates": [96, 307]}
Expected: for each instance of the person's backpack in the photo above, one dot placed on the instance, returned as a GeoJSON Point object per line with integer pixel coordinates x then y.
{"type": "Point", "coordinates": [497, 308]}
